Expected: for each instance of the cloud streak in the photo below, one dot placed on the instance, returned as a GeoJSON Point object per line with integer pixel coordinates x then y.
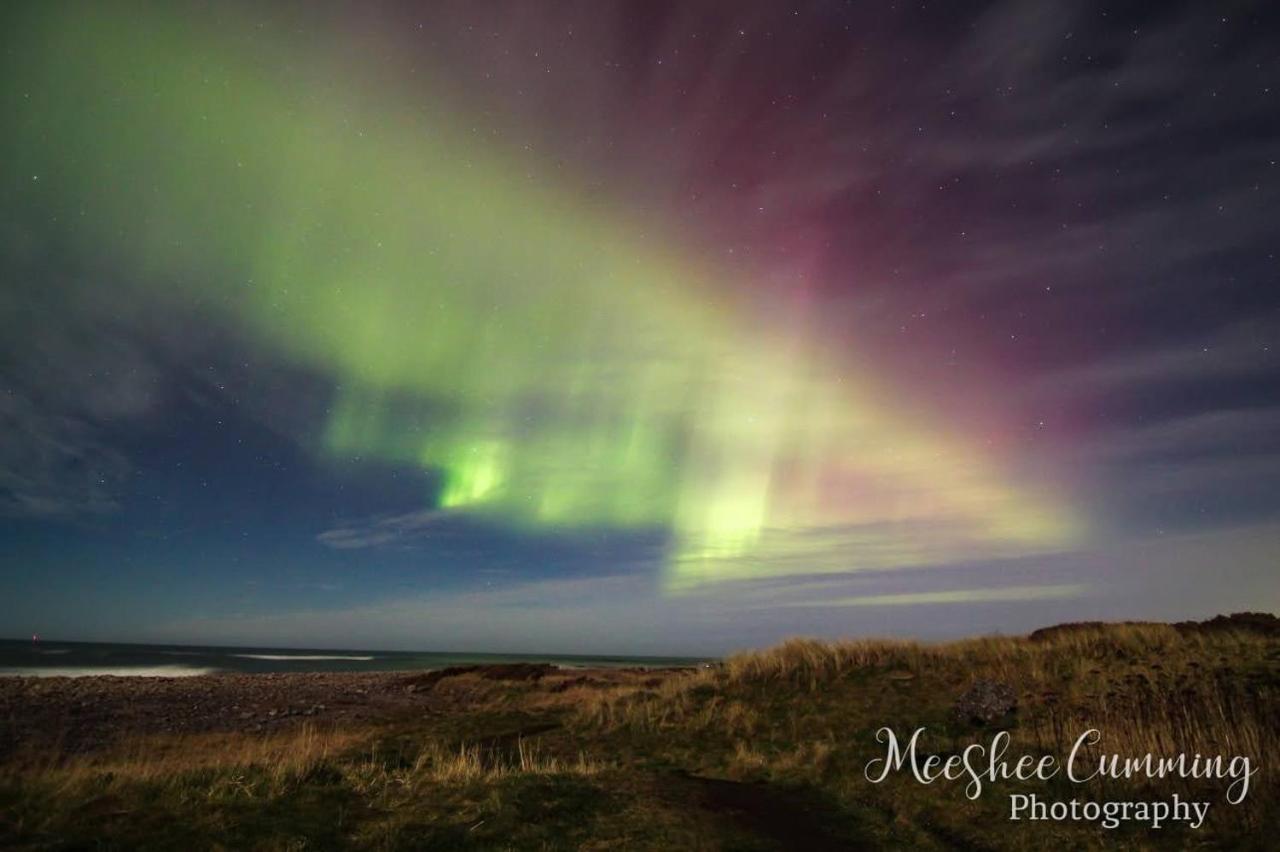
{"type": "Point", "coordinates": [384, 531]}
{"type": "Point", "coordinates": [1162, 578]}
{"type": "Point", "coordinates": [953, 596]}
{"type": "Point", "coordinates": [55, 465]}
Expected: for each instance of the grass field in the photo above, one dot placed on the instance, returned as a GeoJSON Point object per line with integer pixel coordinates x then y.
{"type": "Point", "coordinates": [766, 751]}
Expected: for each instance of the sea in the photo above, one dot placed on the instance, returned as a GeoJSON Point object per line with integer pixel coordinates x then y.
{"type": "Point", "coordinates": [47, 658]}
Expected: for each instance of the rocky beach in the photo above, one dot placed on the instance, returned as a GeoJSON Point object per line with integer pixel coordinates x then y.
{"type": "Point", "coordinates": [81, 714]}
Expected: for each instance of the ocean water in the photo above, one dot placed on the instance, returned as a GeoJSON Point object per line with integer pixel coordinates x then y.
{"type": "Point", "coordinates": [79, 659]}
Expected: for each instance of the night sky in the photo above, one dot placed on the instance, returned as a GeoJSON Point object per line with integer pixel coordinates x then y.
{"type": "Point", "coordinates": [635, 327]}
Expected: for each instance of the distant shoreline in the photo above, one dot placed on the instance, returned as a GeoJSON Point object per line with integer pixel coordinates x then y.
{"type": "Point", "coordinates": [51, 658]}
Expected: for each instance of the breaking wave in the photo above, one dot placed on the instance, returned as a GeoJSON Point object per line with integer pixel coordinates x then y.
{"type": "Point", "coordinates": [297, 657]}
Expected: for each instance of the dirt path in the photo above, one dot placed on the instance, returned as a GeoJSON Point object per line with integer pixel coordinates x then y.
{"type": "Point", "coordinates": [783, 818]}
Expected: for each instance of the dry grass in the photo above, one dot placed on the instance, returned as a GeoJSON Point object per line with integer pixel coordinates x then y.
{"type": "Point", "coordinates": [462, 764]}
{"type": "Point", "coordinates": [232, 765]}
{"type": "Point", "coordinates": [306, 789]}
{"type": "Point", "coordinates": [649, 708]}
{"type": "Point", "coordinates": [285, 755]}
{"type": "Point", "coordinates": [809, 663]}
{"type": "Point", "coordinates": [1148, 687]}
{"type": "Point", "coordinates": [803, 714]}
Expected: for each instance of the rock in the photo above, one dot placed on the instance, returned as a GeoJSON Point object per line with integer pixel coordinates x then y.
{"type": "Point", "coordinates": [985, 702]}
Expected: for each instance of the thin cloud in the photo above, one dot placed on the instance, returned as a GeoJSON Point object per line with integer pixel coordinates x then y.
{"type": "Point", "coordinates": [55, 465]}
{"type": "Point", "coordinates": [1240, 351]}
{"type": "Point", "coordinates": [954, 596]}
{"type": "Point", "coordinates": [383, 531]}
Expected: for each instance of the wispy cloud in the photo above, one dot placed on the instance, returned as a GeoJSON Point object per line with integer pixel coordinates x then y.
{"type": "Point", "coordinates": [1238, 351]}
{"type": "Point", "coordinates": [54, 464]}
{"type": "Point", "coordinates": [954, 596]}
{"type": "Point", "coordinates": [79, 363]}
{"type": "Point", "coordinates": [1249, 433]}
{"type": "Point", "coordinates": [1163, 577]}
{"type": "Point", "coordinates": [384, 530]}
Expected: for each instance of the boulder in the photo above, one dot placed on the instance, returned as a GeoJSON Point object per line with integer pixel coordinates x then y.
{"type": "Point", "coordinates": [985, 702]}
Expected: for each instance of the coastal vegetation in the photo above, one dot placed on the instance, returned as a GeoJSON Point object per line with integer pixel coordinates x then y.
{"type": "Point", "coordinates": [766, 750]}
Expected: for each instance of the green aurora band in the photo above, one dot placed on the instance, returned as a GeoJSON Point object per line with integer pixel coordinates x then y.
{"type": "Point", "coordinates": [476, 319]}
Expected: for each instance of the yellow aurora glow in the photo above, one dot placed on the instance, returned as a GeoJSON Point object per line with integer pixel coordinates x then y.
{"type": "Point", "coordinates": [481, 320]}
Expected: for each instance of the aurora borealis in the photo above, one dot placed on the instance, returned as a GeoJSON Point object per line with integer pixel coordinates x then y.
{"type": "Point", "coordinates": [480, 305]}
